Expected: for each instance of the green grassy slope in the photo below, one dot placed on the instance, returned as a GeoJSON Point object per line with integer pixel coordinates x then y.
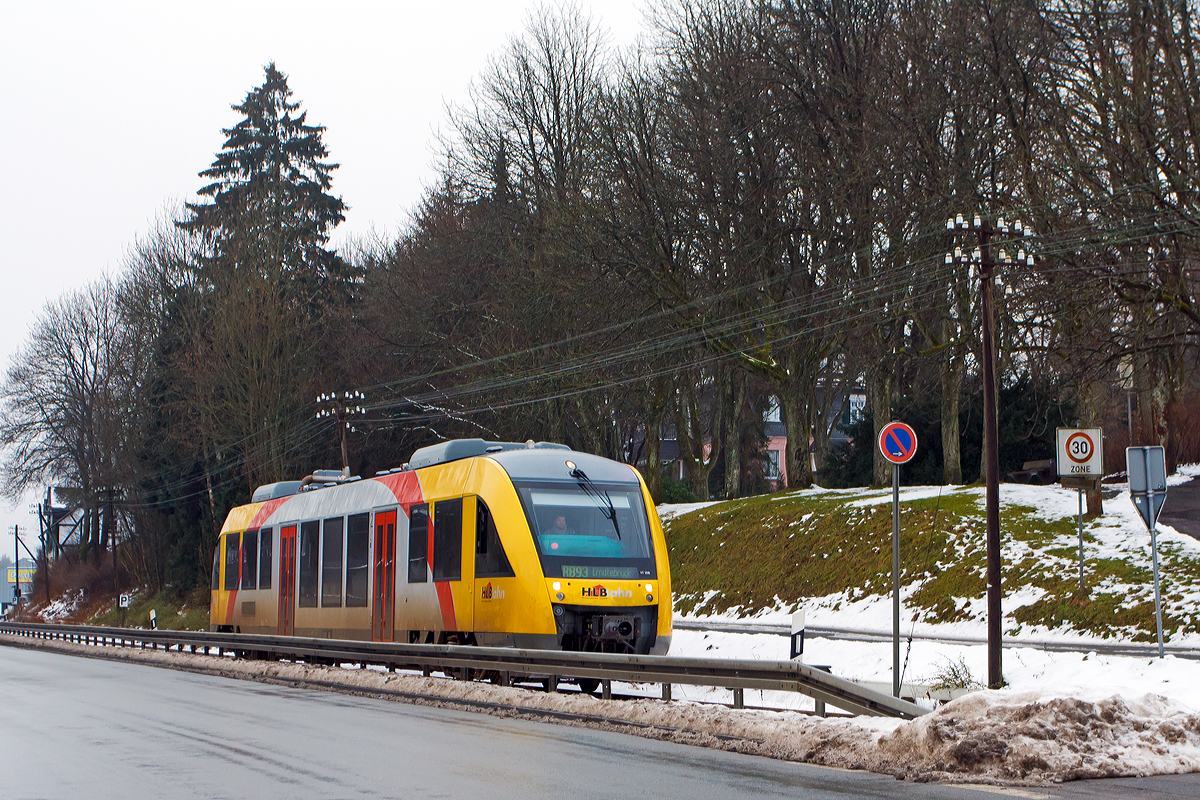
{"type": "Point", "coordinates": [797, 546]}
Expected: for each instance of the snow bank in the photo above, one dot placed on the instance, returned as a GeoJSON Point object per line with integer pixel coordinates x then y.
{"type": "Point", "coordinates": [62, 608]}
{"type": "Point", "coordinates": [1026, 736]}
{"type": "Point", "coordinates": [994, 736]}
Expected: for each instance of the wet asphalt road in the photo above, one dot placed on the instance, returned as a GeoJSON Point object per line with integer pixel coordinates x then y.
{"type": "Point", "coordinates": [1181, 509]}
{"type": "Point", "coordinates": [77, 727]}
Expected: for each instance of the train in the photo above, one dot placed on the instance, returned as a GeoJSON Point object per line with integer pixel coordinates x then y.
{"type": "Point", "coordinates": [506, 544]}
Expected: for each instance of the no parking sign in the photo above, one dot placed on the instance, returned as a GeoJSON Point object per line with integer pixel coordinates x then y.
{"type": "Point", "coordinates": [898, 442]}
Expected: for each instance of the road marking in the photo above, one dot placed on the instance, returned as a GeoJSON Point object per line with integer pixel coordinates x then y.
{"type": "Point", "coordinates": [1011, 791]}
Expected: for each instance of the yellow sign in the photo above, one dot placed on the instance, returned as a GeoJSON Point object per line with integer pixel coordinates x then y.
{"type": "Point", "coordinates": [26, 575]}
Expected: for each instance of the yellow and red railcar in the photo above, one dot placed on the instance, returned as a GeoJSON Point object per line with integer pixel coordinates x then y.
{"type": "Point", "coordinates": [492, 543]}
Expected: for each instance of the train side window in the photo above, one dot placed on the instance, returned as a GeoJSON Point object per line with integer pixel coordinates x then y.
{"type": "Point", "coordinates": [233, 557]}
{"type": "Point", "coordinates": [310, 563]}
{"type": "Point", "coordinates": [216, 581]}
{"type": "Point", "coordinates": [265, 564]}
{"type": "Point", "coordinates": [333, 543]}
{"type": "Point", "coordinates": [418, 543]}
{"type": "Point", "coordinates": [358, 539]}
{"type": "Point", "coordinates": [490, 558]}
{"type": "Point", "coordinates": [447, 540]}
{"type": "Point", "coordinates": [249, 559]}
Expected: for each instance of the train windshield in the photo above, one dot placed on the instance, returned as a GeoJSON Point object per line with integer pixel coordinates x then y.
{"type": "Point", "coordinates": [589, 531]}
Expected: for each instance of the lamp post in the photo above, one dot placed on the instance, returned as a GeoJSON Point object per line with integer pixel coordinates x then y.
{"type": "Point", "coordinates": [345, 406]}
{"type": "Point", "coordinates": [986, 230]}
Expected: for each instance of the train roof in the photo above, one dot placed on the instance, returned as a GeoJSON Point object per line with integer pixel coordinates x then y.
{"type": "Point", "coordinates": [521, 460]}
{"type": "Point", "coordinates": [536, 464]}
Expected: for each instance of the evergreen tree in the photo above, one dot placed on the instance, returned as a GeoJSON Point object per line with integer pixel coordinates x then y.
{"type": "Point", "coordinates": [269, 209]}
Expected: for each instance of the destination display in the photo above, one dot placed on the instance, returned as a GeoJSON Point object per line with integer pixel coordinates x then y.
{"type": "Point", "coordinates": [613, 573]}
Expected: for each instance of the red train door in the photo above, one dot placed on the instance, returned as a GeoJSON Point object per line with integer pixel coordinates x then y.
{"type": "Point", "coordinates": [287, 580]}
{"type": "Point", "coordinates": [384, 606]}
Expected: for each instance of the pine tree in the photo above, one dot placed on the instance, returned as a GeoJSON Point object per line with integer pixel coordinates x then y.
{"type": "Point", "coordinates": [270, 211]}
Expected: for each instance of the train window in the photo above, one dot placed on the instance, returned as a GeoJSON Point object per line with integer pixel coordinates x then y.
{"type": "Point", "coordinates": [358, 538]}
{"type": "Point", "coordinates": [310, 563]}
{"type": "Point", "coordinates": [418, 543]}
{"type": "Point", "coordinates": [232, 558]}
{"type": "Point", "coordinates": [265, 565]}
{"type": "Point", "coordinates": [333, 542]}
{"type": "Point", "coordinates": [216, 581]}
{"type": "Point", "coordinates": [249, 559]}
{"type": "Point", "coordinates": [490, 559]}
{"type": "Point", "coordinates": [447, 540]}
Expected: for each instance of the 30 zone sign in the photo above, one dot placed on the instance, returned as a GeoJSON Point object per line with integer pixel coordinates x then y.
{"type": "Point", "coordinates": [1080, 452]}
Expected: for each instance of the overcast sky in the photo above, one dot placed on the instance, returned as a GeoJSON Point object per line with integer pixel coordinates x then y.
{"type": "Point", "coordinates": [109, 110]}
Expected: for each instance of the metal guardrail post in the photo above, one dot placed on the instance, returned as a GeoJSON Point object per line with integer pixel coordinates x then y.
{"type": "Point", "coordinates": [666, 692]}
{"type": "Point", "coordinates": [739, 700]}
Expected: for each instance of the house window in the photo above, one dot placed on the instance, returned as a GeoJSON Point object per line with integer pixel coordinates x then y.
{"type": "Point", "coordinates": [772, 412]}
{"type": "Point", "coordinates": [773, 465]}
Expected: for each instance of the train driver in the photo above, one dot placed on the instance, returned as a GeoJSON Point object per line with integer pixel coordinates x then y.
{"type": "Point", "coordinates": [560, 527]}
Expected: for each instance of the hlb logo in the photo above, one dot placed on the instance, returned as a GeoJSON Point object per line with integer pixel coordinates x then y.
{"type": "Point", "coordinates": [603, 591]}
{"type": "Point", "coordinates": [490, 593]}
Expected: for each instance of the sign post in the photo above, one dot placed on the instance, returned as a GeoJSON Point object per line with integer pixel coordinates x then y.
{"type": "Point", "coordinates": [898, 443]}
{"type": "Point", "coordinates": [797, 648]}
{"type": "Point", "coordinates": [1080, 457]}
{"type": "Point", "coordinates": [1147, 468]}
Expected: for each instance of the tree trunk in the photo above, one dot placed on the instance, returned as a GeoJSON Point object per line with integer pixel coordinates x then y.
{"type": "Point", "coordinates": [689, 434]}
{"type": "Point", "coordinates": [796, 402]}
{"type": "Point", "coordinates": [1089, 417]}
{"type": "Point", "coordinates": [879, 392]}
{"type": "Point", "coordinates": [952, 372]}
{"type": "Point", "coordinates": [653, 471]}
{"type": "Point", "coordinates": [734, 395]}
{"type": "Point", "coordinates": [796, 415]}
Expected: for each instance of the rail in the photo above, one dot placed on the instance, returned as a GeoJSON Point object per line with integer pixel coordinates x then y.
{"type": "Point", "coordinates": [737, 675]}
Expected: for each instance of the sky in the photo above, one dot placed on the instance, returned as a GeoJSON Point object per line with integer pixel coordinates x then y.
{"type": "Point", "coordinates": [109, 110]}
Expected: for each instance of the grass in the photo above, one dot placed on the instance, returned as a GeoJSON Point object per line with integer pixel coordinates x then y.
{"type": "Point", "coordinates": [173, 612]}
{"type": "Point", "coordinates": [784, 549]}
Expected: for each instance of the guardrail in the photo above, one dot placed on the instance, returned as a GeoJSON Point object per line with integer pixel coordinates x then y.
{"type": "Point", "coordinates": [858, 635]}
{"type": "Point", "coordinates": [606, 667]}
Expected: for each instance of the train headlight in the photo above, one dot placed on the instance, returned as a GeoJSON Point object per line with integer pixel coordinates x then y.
{"type": "Point", "coordinates": [559, 596]}
{"type": "Point", "coordinates": [557, 586]}
{"type": "Point", "coordinates": [649, 598]}
{"type": "Point", "coordinates": [649, 587]}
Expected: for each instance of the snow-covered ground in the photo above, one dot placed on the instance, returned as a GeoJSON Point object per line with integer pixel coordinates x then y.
{"type": "Point", "coordinates": [1118, 534]}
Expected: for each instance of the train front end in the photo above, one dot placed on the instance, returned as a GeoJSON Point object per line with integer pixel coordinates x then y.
{"type": "Point", "coordinates": [601, 548]}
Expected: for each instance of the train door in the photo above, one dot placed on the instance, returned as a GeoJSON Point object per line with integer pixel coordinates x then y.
{"type": "Point", "coordinates": [287, 580]}
{"type": "Point", "coordinates": [448, 559]}
{"type": "Point", "coordinates": [384, 591]}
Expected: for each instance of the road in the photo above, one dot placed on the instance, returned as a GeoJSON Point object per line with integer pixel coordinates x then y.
{"type": "Point", "coordinates": [77, 727]}
{"type": "Point", "coordinates": [1181, 509]}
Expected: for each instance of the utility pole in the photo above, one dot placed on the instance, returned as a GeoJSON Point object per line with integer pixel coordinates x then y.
{"type": "Point", "coordinates": [345, 407]}
{"type": "Point", "coordinates": [986, 229]}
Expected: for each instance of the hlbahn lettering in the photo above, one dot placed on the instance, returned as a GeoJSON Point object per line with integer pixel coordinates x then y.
{"type": "Point", "coordinates": [600, 590]}
{"type": "Point", "coordinates": [490, 593]}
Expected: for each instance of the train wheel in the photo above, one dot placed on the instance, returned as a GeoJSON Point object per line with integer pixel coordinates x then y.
{"type": "Point", "coordinates": [588, 685]}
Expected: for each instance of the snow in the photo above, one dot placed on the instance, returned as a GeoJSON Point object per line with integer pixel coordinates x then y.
{"type": "Point", "coordinates": [1001, 737]}
{"type": "Point", "coordinates": [61, 608]}
{"type": "Point", "coordinates": [1063, 715]}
